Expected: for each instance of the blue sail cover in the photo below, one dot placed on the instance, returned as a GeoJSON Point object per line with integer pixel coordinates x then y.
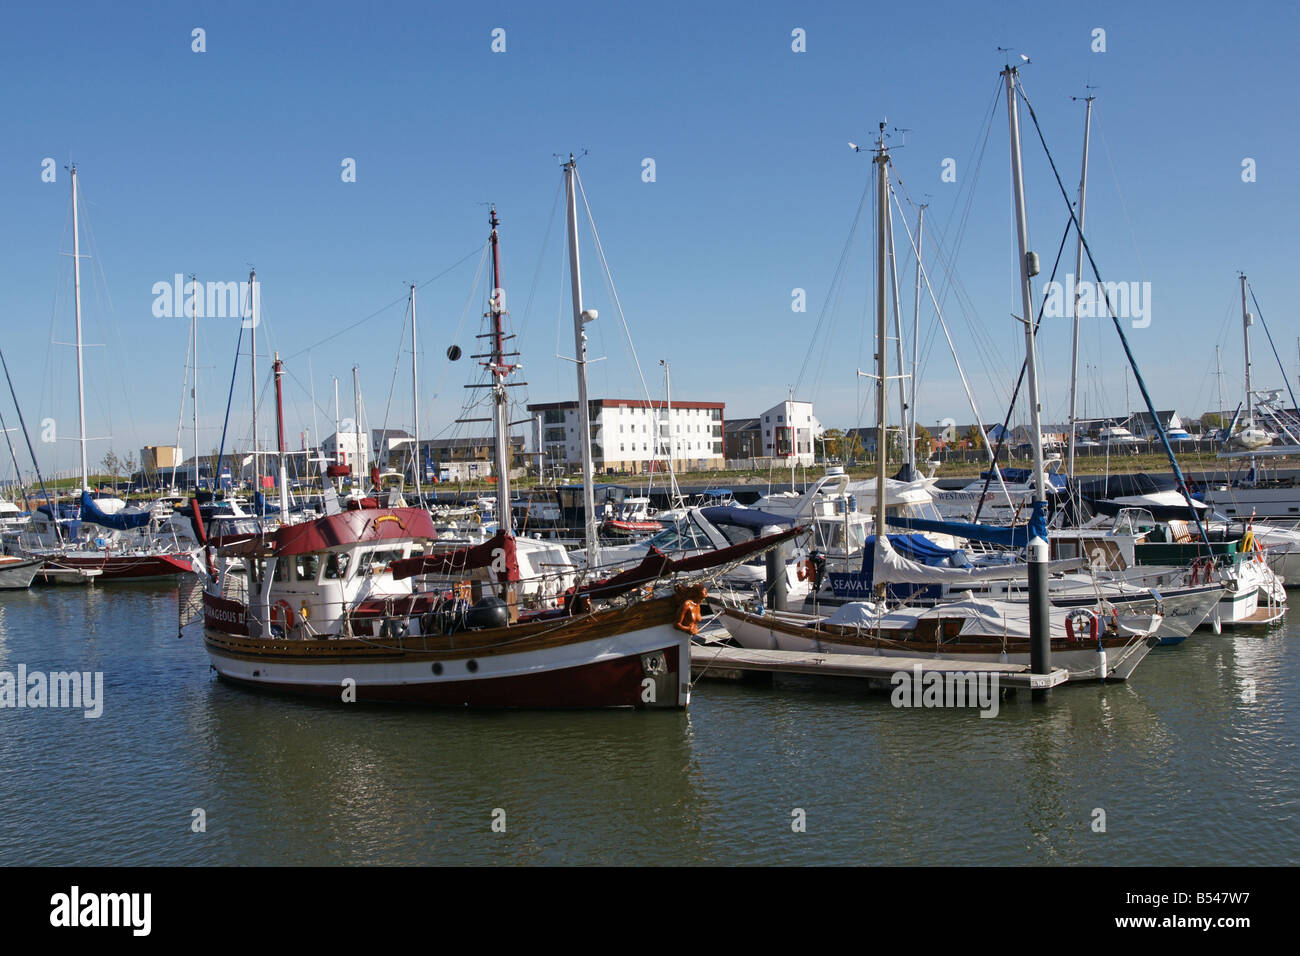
{"type": "Point", "coordinates": [750, 518]}
{"type": "Point", "coordinates": [1006, 537]}
{"type": "Point", "coordinates": [68, 517]}
{"type": "Point", "coordinates": [1017, 536]}
{"type": "Point", "coordinates": [1023, 476]}
{"type": "Point", "coordinates": [123, 521]}
{"type": "Point", "coordinates": [263, 507]}
{"type": "Point", "coordinates": [915, 547]}
{"type": "Point", "coordinates": [67, 511]}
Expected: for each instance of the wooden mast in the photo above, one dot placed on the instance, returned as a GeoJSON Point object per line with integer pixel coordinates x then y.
{"type": "Point", "coordinates": [283, 476]}
{"type": "Point", "coordinates": [415, 401]}
{"type": "Point", "coordinates": [499, 369]}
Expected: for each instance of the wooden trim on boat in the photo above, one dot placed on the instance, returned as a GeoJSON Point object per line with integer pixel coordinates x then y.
{"type": "Point", "coordinates": [513, 639]}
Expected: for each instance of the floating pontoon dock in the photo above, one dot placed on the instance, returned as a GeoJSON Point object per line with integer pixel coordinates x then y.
{"type": "Point", "coordinates": [722, 662]}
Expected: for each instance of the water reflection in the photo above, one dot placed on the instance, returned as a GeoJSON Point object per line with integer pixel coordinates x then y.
{"type": "Point", "coordinates": [377, 784]}
{"type": "Point", "coordinates": [1193, 762]}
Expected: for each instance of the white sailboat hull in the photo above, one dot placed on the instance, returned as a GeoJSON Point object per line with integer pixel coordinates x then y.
{"type": "Point", "coordinates": [1082, 663]}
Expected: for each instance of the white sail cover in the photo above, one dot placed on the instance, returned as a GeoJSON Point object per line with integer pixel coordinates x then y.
{"type": "Point", "coordinates": [982, 617]}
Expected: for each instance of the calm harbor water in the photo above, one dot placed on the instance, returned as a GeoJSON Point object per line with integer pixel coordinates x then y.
{"type": "Point", "coordinates": [1193, 761]}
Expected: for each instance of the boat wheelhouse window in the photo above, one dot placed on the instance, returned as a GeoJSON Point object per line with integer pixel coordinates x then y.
{"type": "Point", "coordinates": [281, 570]}
{"type": "Point", "coordinates": [831, 535]}
{"type": "Point", "coordinates": [857, 537]}
{"type": "Point", "coordinates": [308, 564]}
{"type": "Point", "coordinates": [336, 567]}
{"type": "Point", "coordinates": [376, 561]}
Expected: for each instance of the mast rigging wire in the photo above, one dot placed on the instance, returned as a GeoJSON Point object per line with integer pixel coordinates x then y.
{"type": "Point", "coordinates": [1119, 328]}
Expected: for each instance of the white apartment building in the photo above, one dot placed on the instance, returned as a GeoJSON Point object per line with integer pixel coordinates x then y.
{"type": "Point", "coordinates": [341, 448]}
{"type": "Point", "coordinates": [632, 435]}
{"type": "Point", "coordinates": [789, 430]}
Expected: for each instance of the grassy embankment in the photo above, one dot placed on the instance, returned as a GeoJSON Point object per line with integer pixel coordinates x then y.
{"type": "Point", "coordinates": [1085, 465]}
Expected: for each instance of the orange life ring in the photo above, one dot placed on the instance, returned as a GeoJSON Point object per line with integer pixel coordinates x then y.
{"type": "Point", "coordinates": [805, 569]}
{"type": "Point", "coordinates": [283, 615]}
{"type": "Point", "coordinates": [1087, 627]}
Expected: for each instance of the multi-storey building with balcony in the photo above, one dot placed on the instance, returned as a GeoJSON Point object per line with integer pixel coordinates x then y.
{"type": "Point", "coordinates": [631, 436]}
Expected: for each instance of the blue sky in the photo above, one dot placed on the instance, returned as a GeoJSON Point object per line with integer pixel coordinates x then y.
{"type": "Point", "coordinates": [209, 162]}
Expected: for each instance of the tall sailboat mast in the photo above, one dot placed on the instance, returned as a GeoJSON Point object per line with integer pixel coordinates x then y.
{"type": "Point", "coordinates": [916, 327]}
{"type": "Point", "coordinates": [580, 319]}
{"type": "Point", "coordinates": [1078, 279]}
{"type": "Point", "coordinates": [76, 285]}
{"type": "Point", "coordinates": [1218, 364]}
{"type": "Point", "coordinates": [499, 369]}
{"type": "Point", "coordinates": [338, 444]}
{"type": "Point", "coordinates": [674, 493]}
{"type": "Point", "coordinates": [898, 329]}
{"type": "Point", "coordinates": [356, 431]}
{"type": "Point", "coordinates": [278, 368]}
{"type": "Point", "coordinates": [1040, 648]}
{"type": "Point", "coordinates": [1246, 320]}
{"type": "Point", "coordinates": [415, 401]}
{"type": "Point", "coordinates": [252, 311]}
{"type": "Point", "coordinates": [882, 341]}
{"type": "Point", "coordinates": [194, 390]}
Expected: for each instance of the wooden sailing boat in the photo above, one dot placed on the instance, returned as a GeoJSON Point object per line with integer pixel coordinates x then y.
{"type": "Point", "coordinates": [330, 607]}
